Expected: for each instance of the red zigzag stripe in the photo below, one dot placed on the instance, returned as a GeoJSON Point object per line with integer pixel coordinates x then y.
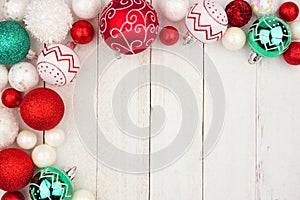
{"type": "Point", "coordinates": [62, 57]}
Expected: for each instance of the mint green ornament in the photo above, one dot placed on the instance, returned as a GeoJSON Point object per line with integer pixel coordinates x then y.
{"type": "Point", "coordinates": [51, 184]}
{"type": "Point", "coordinates": [268, 36]}
{"type": "Point", "coordinates": [14, 42]}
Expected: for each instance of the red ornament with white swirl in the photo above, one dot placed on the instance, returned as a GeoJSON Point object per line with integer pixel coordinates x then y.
{"type": "Point", "coordinates": [58, 65]}
{"type": "Point", "coordinates": [206, 21]}
{"type": "Point", "coordinates": [129, 26]}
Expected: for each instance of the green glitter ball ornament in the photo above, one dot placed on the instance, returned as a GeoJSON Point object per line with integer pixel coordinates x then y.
{"type": "Point", "coordinates": [269, 36]}
{"type": "Point", "coordinates": [51, 183]}
{"type": "Point", "coordinates": [14, 42]}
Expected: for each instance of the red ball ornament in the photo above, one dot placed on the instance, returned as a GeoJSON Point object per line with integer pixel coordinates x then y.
{"type": "Point", "coordinates": [42, 109]}
{"type": "Point", "coordinates": [239, 13]}
{"type": "Point", "coordinates": [130, 26]}
{"type": "Point", "coordinates": [16, 169]}
{"type": "Point", "coordinates": [13, 196]}
{"type": "Point", "coordinates": [288, 11]}
{"type": "Point", "coordinates": [169, 35]}
{"type": "Point", "coordinates": [11, 98]}
{"type": "Point", "coordinates": [82, 32]}
{"type": "Point", "coordinates": [292, 54]}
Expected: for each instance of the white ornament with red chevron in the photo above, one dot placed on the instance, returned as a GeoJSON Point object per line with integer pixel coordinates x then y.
{"type": "Point", "coordinates": [58, 65]}
{"type": "Point", "coordinates": [206, 21]}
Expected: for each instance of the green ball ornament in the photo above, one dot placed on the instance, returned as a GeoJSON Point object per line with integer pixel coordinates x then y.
{"type": "Point", "coordinates": [269, 36]}
{"type": "Point", "coordinates": [51, 183]}
{"type": "Point", "coordinates": [14, 42]}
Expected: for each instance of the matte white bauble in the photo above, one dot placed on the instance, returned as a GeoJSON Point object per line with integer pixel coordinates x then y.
{"type": "Point", "coordinates": [43, 156]}
{"type": "Point", "coordinates": [26, 139]}
{"type": "Point", "coordinates": [234, 39]}
{"type": "Point", "coordinates": [55, 137]}
{"type": "Point", "coordinates": [86, 9]}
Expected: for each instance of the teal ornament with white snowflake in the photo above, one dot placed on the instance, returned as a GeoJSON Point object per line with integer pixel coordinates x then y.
{"type": "Point", "coordinates": [269, 36]}
{"type": "Point", "coordinates": [51, 183]}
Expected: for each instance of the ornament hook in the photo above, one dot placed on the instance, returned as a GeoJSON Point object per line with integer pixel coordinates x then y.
{"type": "Point", "coordinates": [188, 39]}
{"type": "Point", "coordinates": [254, 58]}
{"type": "Point", "coordinates": [71, 171]}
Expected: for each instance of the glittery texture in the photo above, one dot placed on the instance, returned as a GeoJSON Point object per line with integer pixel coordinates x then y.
{"type": "Point", "coordinates": [292, 54]}
{"type": "Point", "coordinates": [14, 42]}
{"type": "Point", "coordinates": [9, 127]}
{"type": "Point", "coordinates": [13, 196]}
{"type": "Point", "coordinates": [239, 13]}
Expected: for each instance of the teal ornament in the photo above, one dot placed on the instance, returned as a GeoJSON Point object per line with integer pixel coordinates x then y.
{"type": "Point", "coordinates": [14, 42]}
{"type": "Point", "coordinates": [51, 183]}
{"type": "Point", "coordinates": [268, 36]}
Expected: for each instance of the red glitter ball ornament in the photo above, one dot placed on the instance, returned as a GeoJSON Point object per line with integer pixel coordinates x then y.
{"type": "Point", "coordinates": [169, 35]}
{"type": "Point", "coordinates": [16, 169]}
{"type": "Point", "coordinates": [13, 196]}
{"type": "Point", "coordinates": [292, 54]}
{"type": "Point", "coordinates": [288, 11]}
{"type": "Point", "coordinates": [239, 13]}
{"type": "Point", "coordinates": [130, 26]}
{"type": "Point", "coordinates": [42, 109]}
{"type": "Point", "coordinates": [11, 98]}
{"type": "Point", "coordinates": [82, 32]}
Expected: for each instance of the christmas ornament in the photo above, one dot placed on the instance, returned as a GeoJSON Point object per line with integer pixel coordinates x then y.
{"type": "Point", "coordinates": [11, 98]}
{"type": "Point", "coordinates": [292, 54]}
{"type": "Point", "coordinates": [263, 7]}
{"type": "Point", "coordinates": [55, 137]}
{"type": "Point", "coordinates": [86, 9]}
{"type": "Point", "coordinates": [14, 42]}
{"type": "Point", "coordinates": [295, 29]}
{"type": "Point", "coordinates": [174, 10]}
{"type": "Point", "coordinates": [268, 36]}
{"type": "Point", "coordinates": [9, 127]}
{"type": "Point", "coordinates": [23, 76]}
{"type": "Point", "coordinates": [288, 11]}
{"type": "Point", "coordinates": [16, 169]}
{"type": "Point", "coordinates": [83, 195]}
{"type": "Point", "coordinates": [239, 13]}
{"type": "Point", "coordinates": [43, 156]}
{"type": "Point", "coordinates": [42, 109]}
{"type": "Point", "coordinates": [206, 21]}
{"type": "Point", "coordinates": [15, 9]}
{"type": "Point", "coordinates": [48, 20]}
{"type": "Point", "coordinates": [13, 196]}
{"type": "Point", "coordinates": [26, 139]}
{"type": "Point", "coordinates": [82, 32]}
{"type": "Point", "coordinates": [169, 35]}
{"type": "Point", "coordinates": [3, 77]}
{"type": "Point", "coordinates": [234, 39]}
{"type": "Point", "coordinates": [58, 65]}
{"type": "Point", "coordinates": [51, 183]}
{"type": "Point", "coordinates": [128, 27]}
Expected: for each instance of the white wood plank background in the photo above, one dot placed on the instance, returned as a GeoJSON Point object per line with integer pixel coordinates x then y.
{"type": "Point", "coordinates": [255, 157]}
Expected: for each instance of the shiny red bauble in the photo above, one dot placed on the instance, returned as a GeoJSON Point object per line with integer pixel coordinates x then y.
{"type": "Point", "coordinates": [239, 13]}
{"type": "Point", "coordinates": [11, 98]}
{"type": "Point", "coordinates": [42, 109]}
{"type": "Point", "coordinates": [13, 196]}
{"type": "Point", "coordinates": [169, 35]}
{"type": "Point", "coordinates": [16, 169]}
{"type": "Point", "coordinates": [82, 32]}
{"type": "Point", "coordinates": [130, 26]}
{"type": "Point", "coordinates": [288, 11]}
{"type": "Point", "coordinates": [292, 54]}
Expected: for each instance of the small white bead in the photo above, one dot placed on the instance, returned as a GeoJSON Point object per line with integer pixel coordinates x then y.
{"type": "Point", "coordinates": [83, 195]}
{"type": "Point", "coordinates": [26, 139]}
{"type": "Point", "coordinates": [234, 39]}
{"type": "Point", "coordinates": [295, 28]}
{"type": "Point", "coordinates": [43, 156]}
{"type": "Point", "coordinates": [54, 137]}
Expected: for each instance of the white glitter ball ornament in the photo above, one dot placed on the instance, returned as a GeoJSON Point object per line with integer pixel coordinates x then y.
{"type": "Point", "coordinates": [15, 9]}
{"type": "Point", "coordinates": [9, 127]}
{"type": "Point", "coordinates": [23, 76]}
{"type": "Point", "coordinates": [58, 65]}
{"type": "Point", "coordinates": [3, 77]}
{"type": "Point", "coordinates": [48, 20]}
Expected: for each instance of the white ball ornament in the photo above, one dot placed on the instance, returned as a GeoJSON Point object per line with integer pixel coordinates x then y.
{"type": "Point", "coordinates": [174, 10]}
{"type": "Point", "coordinates": [26, 139]}
{"type": "Point", "coordinates": [9, 127]}
{"type": "Point", "coordinates": [3, 77]}
{"type": "Point", "coordinates": [83, 195]}
{"type": "Point", "coordinates": [86, 9]}
{"type": "Point", "coordinates": [295, 29]}
{"type": "Point", "coordinates": [55, 137]}
{"type": "Point", "coordinates": [234, 39]}
{"type": "Point", "coordinates": [43, 156]}
{"type": "Point", "coordinates": [58, 65]}
{"type": "Point", "coordinates": [15, 9]}
{"type": "Point", "coordinates": [23, 76]}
